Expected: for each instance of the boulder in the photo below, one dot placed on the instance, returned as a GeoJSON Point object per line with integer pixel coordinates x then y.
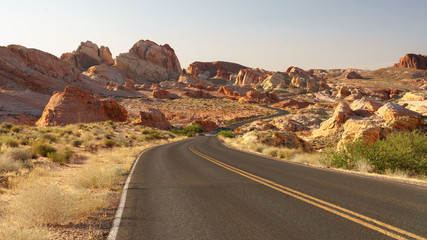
{"type": "Point", "coordinates": [161, 93]}
{"type": "Point", "coordinates": [74, 105]}
{"type": "Point", "coordinates": [412, 97]}
{"type": "Point", "coordinates": [153, 118]}
{"type": "Point", "coordinates": [207, 125]}
{"type": "Point", "coordinates": [343, 92]}
{"type": "Point", "coordinates": [87, 55]}
{"type": "Point", "coordinates": [334, 124]}
{"type": "Point", "coordinates": [222, 70]}
{"type": "Point", "coordinates": [297, 70]}
{"type": "Point", "coordinates": [150, 61]}
{"type": "Point", "coordinates": [365, 106]}
{"type": "Point", "coordinates": [393, 110]}
{"type": "Point", "coordinates": [187, 79]}
{"type": "Point", "coordinates": [416, 61]}
{"type": "Point", "coordinates": [353, 75]}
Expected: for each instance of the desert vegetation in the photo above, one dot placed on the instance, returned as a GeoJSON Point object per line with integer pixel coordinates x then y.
{"type": "Point", "coordinates": [401, 153]}
{"type": "Point", "coordinates": [58, 178]}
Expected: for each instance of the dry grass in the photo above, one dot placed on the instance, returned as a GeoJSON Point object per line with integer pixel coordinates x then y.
{"type": "Point", "coordinates": [41, 193]}
{"type": "Point", "coordinates": [8, 164]}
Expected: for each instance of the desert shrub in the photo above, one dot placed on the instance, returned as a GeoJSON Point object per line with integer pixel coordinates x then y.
{"type": "Point", "coordinates": [60, 156]}
{"type": "Point", "coordinates": [400, 151]}
{"type": "Point", "coordinates": [15, 129]}
{"type": "Point", "coordinates": [6, 125]}
{"type": "Point", "coordinates": [108, 142]}
{"type": "Point", "coordinates": [189, 131]}
{"type": "Point", "coordinates": [43, 149]}
{"type": "Point", "coordinates": [19, 154]}
{"type": "Point", "coordinates": [10, 141]}
{"type": "Point", "coordinates": [109, 122]}
{"type": "Point", "coordinates": [8, 164]}
{"type": "Point", "coordinates": [24, 141]}
{"type": "Point", "coordinates": [19, 231]}
{"type": "Point", "coordinates": [48, 137]}
{"type": "Point", "coordinates": [43, 205]}
{"type": "Point", "coordinates": [226, 133]}
{"type": "Point", "coordinates": [272, 152]}
{"type": "Point", "coordinates": [76, 143]}
{"type": "Point", "coordinates": [95, 177]}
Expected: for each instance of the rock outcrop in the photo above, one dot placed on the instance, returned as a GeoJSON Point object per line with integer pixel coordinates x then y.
{"type": "Point", "coordinates": [222, 70]}
{"type": "Point", "coordinates": [207, 125]}
{"type": "Point", "coordinates": [353, 75]}
{"type": "Point", "coordinates": [150, 61]}
{"type": "Point", "coordinates": [416, 61]}
{"type": "Point", "coordinates": [26, 68]}
{"type": "Point", "coordinates": [250, 76]}
{"type": "Point", "coordinates": [88, 54]}
{"type": "Point", "coordinates": [74, 105]}
{"type": "Point", "coordinates": [153, 118]}
{"type": "Point", "coordinates": [291, 104]}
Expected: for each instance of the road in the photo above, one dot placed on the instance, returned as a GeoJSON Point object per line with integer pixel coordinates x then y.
{"type": "Point", "coordinates": [200, 189]}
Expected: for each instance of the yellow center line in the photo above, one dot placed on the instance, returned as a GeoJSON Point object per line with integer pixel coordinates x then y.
{"type": "Point", "coordinates": [315, 201]}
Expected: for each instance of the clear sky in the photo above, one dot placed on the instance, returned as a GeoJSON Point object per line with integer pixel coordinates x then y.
{"type": "Point", "coordinates": [270, 34]}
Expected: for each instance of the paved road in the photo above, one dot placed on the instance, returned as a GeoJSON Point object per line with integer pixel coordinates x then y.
{"type": "Point", "coordinates": [199, 189]}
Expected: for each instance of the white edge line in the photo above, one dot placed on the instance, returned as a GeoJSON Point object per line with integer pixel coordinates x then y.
{"type": "Point", "coordinates": [118, 217]}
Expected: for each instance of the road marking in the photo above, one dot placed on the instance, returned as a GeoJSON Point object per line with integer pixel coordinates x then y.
{"type": "Point", "coordinates": [116, 223]}
{"type": "Point", "coordinates": [340, 211]}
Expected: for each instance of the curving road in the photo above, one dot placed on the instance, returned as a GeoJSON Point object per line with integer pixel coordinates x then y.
{"type": "Point", "coordinates": [200, 189]}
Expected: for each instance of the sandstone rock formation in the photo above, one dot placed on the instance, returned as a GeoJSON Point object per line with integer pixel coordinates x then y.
{"type": "Point", "coordinates": [187, 79]}
{"type": "Point", "coordinates": [416, 61]}
{"type": "Point", "coordinates": [393, 110]}
{"type": "Point", "coordinates": [153, 118]}
{"type": "Point", "coordinates": [250, 76]}
{"type": "Point", "coordinates": [353, 75]}
{"type": "Point", "coordinates": [197, 94]}
{"type": "Point", "coordinates": [74, 105]}
{"type": "Point", "coordinates": [277, 80]}
{"type": "Point", "coordinates": [161, 93]}
{"type": "Point", "coordinates": [25, 68]}
{"type": "Point", "coordinates": [207, 125]}
{"type": "Point", "coordinates": [222, 70]}
{"type": "Point", "coordinates": [150, 61]}
{"type": "Point", "coordinates": [87, 55]}
{"type": "Point", "coordinates": [412, 97]}
{"type": "Point", "coordinates": [365, 106]}
{"type": "Point", "coordinates": [291, 104]}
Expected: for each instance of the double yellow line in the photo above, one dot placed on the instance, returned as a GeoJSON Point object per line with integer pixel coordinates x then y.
{"type": "Point", "coordinates": [363, 220]}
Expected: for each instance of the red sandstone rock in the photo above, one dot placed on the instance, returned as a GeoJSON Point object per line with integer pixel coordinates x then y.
{"type": "Point", "coordinates": [218, 69]}
{"type": "Point", "coordinates": [207, 125]}
{"type": "Point", "coordinates": [74, 105]}
{"type": "Point", "coordinates": [161, 93]}
{"type": "Point", "coordinates": [353, 75]}
{"type": "Point", "coordinates": [129, 85]}
{"type": "Point", "coordinates": [150, 61]}
{"type": "Point", "coordinates": [153, 118]}
{"type": "Point", "coordinates": [393, 110]}
{"type": "Point", "coordinates": [87, 55]}
{"type": "Point", "coordinates": [297, 70]}
{"type": "Point", "coordinates": [250, 76]}
{"type": "Point", "coordinates": [291, 104]}
{"type": "Point", "coordinates": [411, 60]}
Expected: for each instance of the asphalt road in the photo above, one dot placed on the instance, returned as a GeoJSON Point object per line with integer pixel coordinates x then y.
{"type": "Point", "coordinates": [200, 189]}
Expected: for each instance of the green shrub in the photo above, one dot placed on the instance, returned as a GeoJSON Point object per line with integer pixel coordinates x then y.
{"type": "Point", "coordinates": [189, 131]}
{"type": "Point", "coordinates": [19, 154]}
{"type": "Point", "coordinates": [43, 149]}
{"type": "Point", "coordinates": [109, 142]}
{"type": "Point", "coordinates": [400, 151]}
{"type": "Point", "coordinates": [16, 129]}
{"type": "Point", "coordinates": [49, 137]}
{"type": "Point", "coordinates": [226, 133]}
{"type": "Point", "coordinates": [60, 157]}
{"type": "Point", "coordinates": [6, 125]}
{"type": "Point", "coordinates": [76, 143]}
{"type": "Point", "coordinates": [10, 141]}
{"type": "Point", "coordinates": [109, 122]}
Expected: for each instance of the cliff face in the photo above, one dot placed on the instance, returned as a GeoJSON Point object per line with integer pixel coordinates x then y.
{"type": "Point", "coordinates": [416, 61]}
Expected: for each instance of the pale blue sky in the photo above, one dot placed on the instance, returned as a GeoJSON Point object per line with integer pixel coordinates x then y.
{"type": "Point", "coordinates": [270, 34]}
